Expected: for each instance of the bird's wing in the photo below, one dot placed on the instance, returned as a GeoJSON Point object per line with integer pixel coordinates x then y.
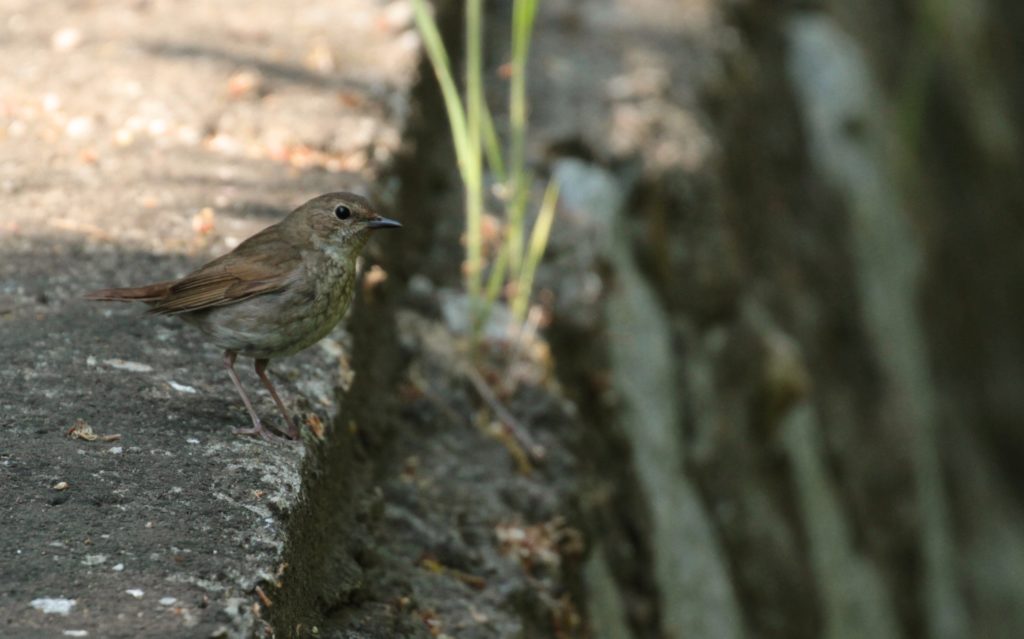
{"type": "Point", "coordinates": [262, 264]}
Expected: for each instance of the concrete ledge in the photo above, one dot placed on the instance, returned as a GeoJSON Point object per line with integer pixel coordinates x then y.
{"type": "Point", "coordinates": [142, 140]}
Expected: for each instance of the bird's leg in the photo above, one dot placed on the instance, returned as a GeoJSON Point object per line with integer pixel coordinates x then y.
{"type": "Point", "coordinates": [257, 429]}
{"type": "Point", "coordinates": [261, 371]}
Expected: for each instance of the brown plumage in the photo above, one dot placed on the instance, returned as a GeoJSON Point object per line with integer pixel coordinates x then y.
{"type": "Point", "coordinates": [276, 293]}
{"type": "Point", "coordinates": [264, 263]}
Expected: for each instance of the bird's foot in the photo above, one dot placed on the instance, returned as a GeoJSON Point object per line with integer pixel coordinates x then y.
{"type": "Point", "coordinates": [261, 431]}
{"type": "Point", "coordinates": [294, 432]}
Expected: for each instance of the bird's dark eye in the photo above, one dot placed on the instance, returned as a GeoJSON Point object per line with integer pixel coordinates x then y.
{"type": "Point", "coordinates": [342, 212]}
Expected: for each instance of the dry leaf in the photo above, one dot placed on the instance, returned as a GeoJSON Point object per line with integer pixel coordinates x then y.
{"type": "Point", "coordinates": [82, 430]}
{"type": "Point", "coordinates": [264, 599]}
{"type": "Point", "coordinates": [244, 84]}
{"type": "Point", "coordinates": [316, 426]}
{"type": "Point", "coordinates": [203, 221]}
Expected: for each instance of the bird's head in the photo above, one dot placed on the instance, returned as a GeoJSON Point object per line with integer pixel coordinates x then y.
{"type": "Point", "coordinates": [339, 223]}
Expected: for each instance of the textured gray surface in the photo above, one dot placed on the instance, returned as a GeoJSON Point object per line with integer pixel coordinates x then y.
{"type": "Point", "coordinates": [779, 312]}
{"type": "Point", "coordinates": [138, 141]}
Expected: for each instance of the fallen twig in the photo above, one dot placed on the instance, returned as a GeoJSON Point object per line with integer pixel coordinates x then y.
{"type": "Point", "coordinates": [511, 424]}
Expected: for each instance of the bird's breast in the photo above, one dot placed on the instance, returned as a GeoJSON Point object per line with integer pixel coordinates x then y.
{"type": "Point", "coordinates": [281, 324]}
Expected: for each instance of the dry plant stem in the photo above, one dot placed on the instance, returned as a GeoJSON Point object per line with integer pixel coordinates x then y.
{"type": "Point", "coordinates": [525, 331]}
{"type": "Point", "coordinates": [264, 599]}
{"type": "Point", "coordinates": [515, 437]}
{"type": "Point", "coordinates": [512, 425]}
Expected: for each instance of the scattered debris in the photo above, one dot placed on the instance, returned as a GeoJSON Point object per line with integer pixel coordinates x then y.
{"type": "Point", "coordinates": [245, 84]}
{"type": "Point", "coordinates": [540, 544]}
{"type": "Point", "coordinates": [319, 57]}
{"type": "Point", "coordinates": [264, 599]}
{"type": "Point", "coordinates": [80, 127]}
{"type": "Point", "coordinates": [53, 605]}
{"type": "Point", "coordinates": [499, 431]}
{"type": "Point", "coordinates": [374, 278]}
{"type": "Point", "coordinates": [203, 222]}
{"type": "Point", "coordinates": [433, 565]}
{"type": "Point", "coordinates": [510, 423]}
{"type": "Point", "coordinates": [433, 623]}
{"type": "Point", "coordinates": [565, 618]}
{"type": "Point", "coordinates": [82, 430]}
{"type": "Point", "coordinates": [80, 227]}
{"type": "Point", "coordinates": [478, 616]}
{"type": "Point", "coordinates": [125, 365]}
{"type": "Point", "coordinates": [316, 426]}
{"type": "Point", "coordinates": [66, 39]}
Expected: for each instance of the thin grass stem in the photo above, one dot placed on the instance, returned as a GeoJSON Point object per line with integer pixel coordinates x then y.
{"type": "Point", "coordinates": [492, 147]}
{"type": "Point", "coordinates": [523, 14]}
{"type": "Point", "coordinates": [538, 243]}
{"type": "Point", "coordinates": [473, 173]}
{"type": "Point", "coordinates": [441, 64]}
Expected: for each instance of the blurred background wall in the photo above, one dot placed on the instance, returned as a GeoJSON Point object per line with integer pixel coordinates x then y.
{"type": "Point", "coordinates": [837, 281]}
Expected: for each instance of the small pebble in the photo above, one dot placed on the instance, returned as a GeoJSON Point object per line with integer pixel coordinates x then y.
{"type": "Point", "coordinates": [181, 388]}
{"type": "Point", "coordinates": [66, 39]}
{"type": "Point", "coordinates": [124, 365]}
{"type": "Point", "coordinates": [53, 605]}
{"type": "Point", "coordinates": [79, 127]}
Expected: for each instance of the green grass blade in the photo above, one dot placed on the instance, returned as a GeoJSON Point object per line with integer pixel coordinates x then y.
{"type": "Point", "coordinates": [497, 276]}
{"type": "Point", "coordinates": [523, 14]}
{"type": "Point", "coordinates": [473, 169]}
{"type": "Point", "coordinates": [494, 283]}
{"type": "Point", "coordinates": [538, 244]}
{"type": "Point", "coordinates": [441, 64]}
{"type": "Point", "coordinates": [492, 146]}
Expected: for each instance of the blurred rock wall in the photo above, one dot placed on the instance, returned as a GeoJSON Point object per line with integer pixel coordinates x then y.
{"type": "Point", "coordinates": [811, 303]}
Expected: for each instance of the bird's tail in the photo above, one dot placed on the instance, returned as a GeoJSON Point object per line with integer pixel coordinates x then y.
{"type": "Point", "coordinates": [148, 294]}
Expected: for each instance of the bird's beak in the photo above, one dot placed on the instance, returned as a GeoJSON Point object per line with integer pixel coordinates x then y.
{"type": "Point", "coordinates": [383, 223]}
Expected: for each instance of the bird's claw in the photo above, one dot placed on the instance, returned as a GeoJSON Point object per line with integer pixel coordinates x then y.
{"type": "Point", "coordinates": [259, 430]}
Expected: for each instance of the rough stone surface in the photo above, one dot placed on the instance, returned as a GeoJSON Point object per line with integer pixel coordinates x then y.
{"type": "Point", "coordinates": [139, 140]}
{"type": "Point", "coordinates": [825, 209]}
{"type": "Point", "coordinates": [790, 328]}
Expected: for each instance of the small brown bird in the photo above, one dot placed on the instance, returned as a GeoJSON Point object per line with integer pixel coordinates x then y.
{"type": "Point", "coordinates": [277, 293]}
